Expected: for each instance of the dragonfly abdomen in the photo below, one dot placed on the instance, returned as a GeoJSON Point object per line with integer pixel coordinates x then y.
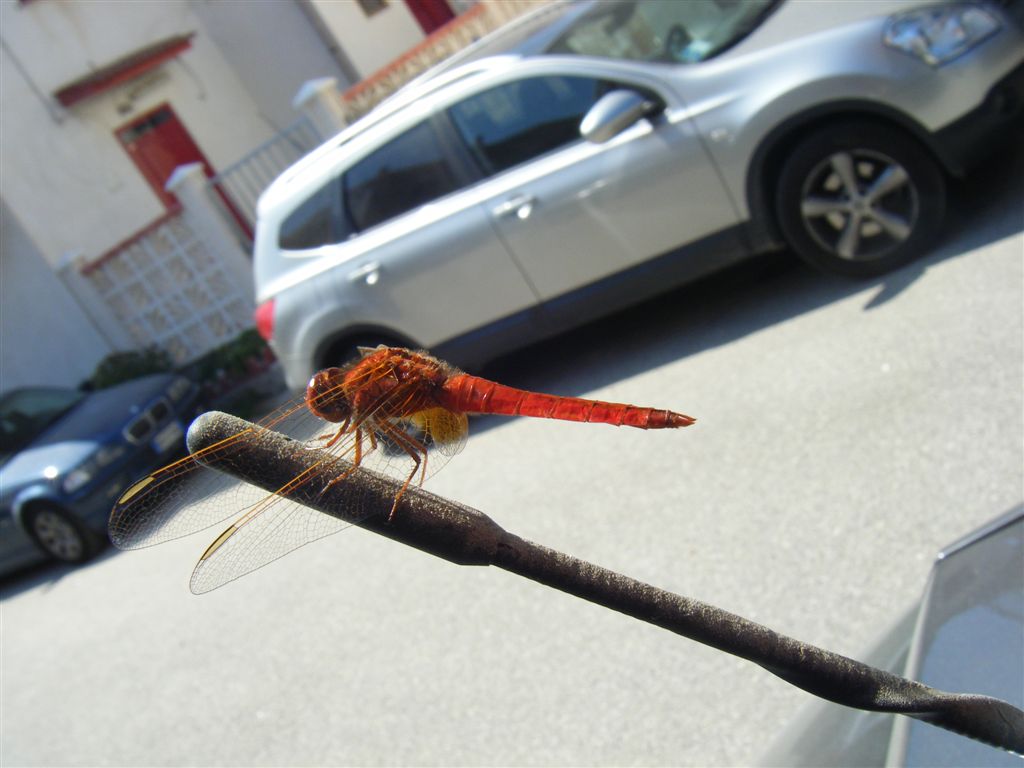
{"type": "Point", "coordinates": [471, 394]}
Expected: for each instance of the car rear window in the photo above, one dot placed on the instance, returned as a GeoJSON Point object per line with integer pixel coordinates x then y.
{"type": "Point", "coordinates": [317, 221]}
{"type": "Point", "coordinates": [25, 413]}
{"type": "Point", "coordinates": [407, 172]}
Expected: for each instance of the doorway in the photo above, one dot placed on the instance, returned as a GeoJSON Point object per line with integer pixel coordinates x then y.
{"type": "Point", "coordinates": [157, 143]}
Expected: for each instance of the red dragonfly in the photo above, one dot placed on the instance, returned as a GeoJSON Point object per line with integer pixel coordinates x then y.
{"type": "Point", "coordinates": [412, 403]}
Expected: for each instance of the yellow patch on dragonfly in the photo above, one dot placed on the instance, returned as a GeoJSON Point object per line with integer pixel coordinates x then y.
{"type": "Point", "coordinates": [131, 492]}
{"type": "Point", "coordinates": [218, 542]}
{"type": "Point", "coordinates": [443, 426]}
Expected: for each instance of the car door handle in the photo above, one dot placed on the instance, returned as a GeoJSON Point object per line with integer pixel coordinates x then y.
{"type": "Point", "coordinates": [520, 205]}
{"type": "Point", "coordinates": [369, 273]}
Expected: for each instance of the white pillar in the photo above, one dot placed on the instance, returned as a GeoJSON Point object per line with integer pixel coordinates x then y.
{"type": "Point", "coordinates": [320, 101]}
{"type": "Point", "coordinates": [189, 184]}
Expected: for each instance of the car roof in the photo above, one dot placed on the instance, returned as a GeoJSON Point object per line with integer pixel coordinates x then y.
{"type": "Point", "coordinates": [18, 393]}
{"type": "Point", "coordinates": [396, 103]}
{"type": "Point", "coordinates": [529, 35]}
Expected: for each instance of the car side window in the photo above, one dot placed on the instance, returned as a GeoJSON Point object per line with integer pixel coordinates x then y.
{"type": "Point", "coordinates": [515, 122]}
{"type": "Point", "coordinates": [317, 221]}
{"type": "Point", "coordinates": [407, 172]}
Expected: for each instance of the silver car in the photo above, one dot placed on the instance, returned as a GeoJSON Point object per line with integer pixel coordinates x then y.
{"type": "Point", "coordinates": [967, 634]}
{"type": "Point", "coordinates": [599, 153]}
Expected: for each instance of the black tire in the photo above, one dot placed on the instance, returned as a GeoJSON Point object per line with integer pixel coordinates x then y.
{"type": "Point", "coordinates": [860, 199]}
{"type": "Point", "coordinates": [343, 354]}
{"type": "Point", "coordinates": [346, 352]}
{"type": "Point", "coordinates": [59, 535]}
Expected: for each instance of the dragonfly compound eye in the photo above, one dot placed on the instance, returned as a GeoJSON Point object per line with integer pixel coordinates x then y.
{"type": "Point", "coordinates": [326, 397]}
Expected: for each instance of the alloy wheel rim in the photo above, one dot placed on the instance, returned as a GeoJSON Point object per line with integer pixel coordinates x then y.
{"type": "Point", "coordinates": [859, 205]}
{"type": "Point", "coordinates": [57, 535]}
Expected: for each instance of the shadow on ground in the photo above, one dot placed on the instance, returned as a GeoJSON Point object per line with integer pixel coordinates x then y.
{"type": "Point", "coordinates": [750, 297]}
{"type": "Point", "coordinates": [727, 306]}
{"type": "Point", "coordinates": [45, 575]}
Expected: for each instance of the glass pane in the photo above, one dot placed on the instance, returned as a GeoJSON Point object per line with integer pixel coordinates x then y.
{"type": "Point", "coordinates": [312, 224]}
{"type": "Point", "coordinates": [662, 30]}
{"type": "Point", "coordinates": [405, 173]}
{"type": "Point", "coordinates": [519, 121]}
{"type": "Point", "coordinates": [24, 413]}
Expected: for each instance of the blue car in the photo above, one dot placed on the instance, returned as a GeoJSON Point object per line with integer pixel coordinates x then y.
{"type": "Point", "coordinates": [66, 455]}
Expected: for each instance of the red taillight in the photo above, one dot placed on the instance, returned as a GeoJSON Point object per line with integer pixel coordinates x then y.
{"type": "Point", "coordinates": [265, 319]}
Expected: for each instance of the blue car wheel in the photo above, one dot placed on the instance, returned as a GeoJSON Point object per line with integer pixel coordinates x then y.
{"type": "Point", "coordinates": [58, 534]}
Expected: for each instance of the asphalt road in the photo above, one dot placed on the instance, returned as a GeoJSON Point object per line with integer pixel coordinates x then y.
{"type": "Point", "coordinates": [846, 432]}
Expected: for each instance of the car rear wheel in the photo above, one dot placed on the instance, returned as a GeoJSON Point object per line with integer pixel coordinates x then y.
{"type": "Point", "coordinates": [58, 534]}
{"type": "Point", "coordinates": [860, 199]}
{"type": "Point", "coordinates": [346, 352]}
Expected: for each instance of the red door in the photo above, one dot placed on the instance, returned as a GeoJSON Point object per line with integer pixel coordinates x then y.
{"type": "Point", "coordinates": [430, 14]}
{"type": "Point", "coordinates": [159, 143]}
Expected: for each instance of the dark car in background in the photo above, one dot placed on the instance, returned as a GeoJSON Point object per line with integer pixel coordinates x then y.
{"type": "Point", "coordinates": [65, 456]}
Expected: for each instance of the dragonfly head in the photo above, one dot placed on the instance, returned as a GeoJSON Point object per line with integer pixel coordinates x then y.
{"type": "Point", "coordinates": [325, 396]}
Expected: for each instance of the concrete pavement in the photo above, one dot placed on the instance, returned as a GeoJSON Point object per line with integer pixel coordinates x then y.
{"type": "Point", "coordinates": [846, 432]}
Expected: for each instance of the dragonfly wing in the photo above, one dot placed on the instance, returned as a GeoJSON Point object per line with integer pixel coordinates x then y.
{"type": "Point", "coordinates": [185, 497]}
{"type": "Point", "coordinates": [179, 499]}
{"type": "Point", "coordinates": [269, 530]}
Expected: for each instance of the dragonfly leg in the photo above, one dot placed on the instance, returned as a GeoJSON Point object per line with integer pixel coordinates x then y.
{"type": "Point", "coordinates": [357, 459]}
{"type": "Point", "coordinates": [418, 452]}
{"type": "Point", "coordinates": [329, 441]}
{"type": "Point", "coordinates": [419, 449]}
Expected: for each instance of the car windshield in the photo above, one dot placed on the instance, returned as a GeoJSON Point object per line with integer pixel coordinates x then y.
{"type": "Point", "coordinates": [25, 413]}
{"type": "Point", "coordinates": [663, 30]}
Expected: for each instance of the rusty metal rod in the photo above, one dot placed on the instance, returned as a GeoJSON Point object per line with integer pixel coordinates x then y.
{"type": "Point", "coordinates": [466, 536]}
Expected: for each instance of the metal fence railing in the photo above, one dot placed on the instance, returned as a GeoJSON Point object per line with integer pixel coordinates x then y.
{"type": "Point", "coordinates": [244, 180]}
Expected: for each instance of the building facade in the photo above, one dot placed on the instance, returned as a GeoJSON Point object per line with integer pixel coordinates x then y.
{"type": "Point", "coordinates": [100, 101]}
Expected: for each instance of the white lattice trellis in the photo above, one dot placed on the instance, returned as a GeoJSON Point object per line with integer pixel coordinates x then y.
{"type": "Point", "coordinates": [168, 288]}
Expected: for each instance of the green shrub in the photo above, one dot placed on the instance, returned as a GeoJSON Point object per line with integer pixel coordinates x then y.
{"type": "Point", "coordinates": [231, 359]}
{"type": "Point", "coordinates": [124, 366]}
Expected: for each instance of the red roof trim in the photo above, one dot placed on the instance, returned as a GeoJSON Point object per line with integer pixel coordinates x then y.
{"type": "Point", "coordinates": [123, 69]}
{"type": "Point", "coordinates": [413, 52]}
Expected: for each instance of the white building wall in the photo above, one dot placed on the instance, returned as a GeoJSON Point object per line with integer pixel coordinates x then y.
{"type": "Point", "coordinates": [370, 42]}
{"type": "Point", "coordinates": [60, 41]}
{"type": "Point", "coordinates": [275, 48]}
{"type": "Point", "coordinates": [45, 337]}
{"type": "Point", "coordinates": [69, 188]}
{"type": "Point", "coordinates": [72, 185]}
{"type": "Point", "coordinates": [66, 176]}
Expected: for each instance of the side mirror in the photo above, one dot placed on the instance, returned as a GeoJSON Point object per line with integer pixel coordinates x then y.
{"type": "Point", "coordinates": [613, 113]}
